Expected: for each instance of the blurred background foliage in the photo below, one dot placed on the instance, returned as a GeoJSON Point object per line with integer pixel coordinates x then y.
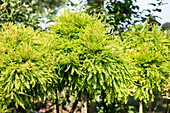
{"type": "Point", "coordinates": [52, 4]}
{"type": "Point", "coordinates": [20, 12]}
{"type": "Point", "coordinates": [118, 14]}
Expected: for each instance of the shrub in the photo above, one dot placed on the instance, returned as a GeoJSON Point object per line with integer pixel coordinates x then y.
{"type": "Point", "coordinates": [148, 51]}
{"type": "Point", "coordinates": [23, 66]}
{"type": "Point", "coordinates": [86, 60]}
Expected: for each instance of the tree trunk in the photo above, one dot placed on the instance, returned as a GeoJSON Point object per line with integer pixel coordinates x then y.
{"type": "Point", "coordinates": [84, 101]}
{"type": "Point", "coordinates": [103, 95]}
{"type": "Point", "coordinates": [56, 102]}
{"type": "Point", "coordinates": [75, 103]}
{"type": "Point", "coordinates": [140, 107]}
{"type": "Point", "coordinates": [150, 105]}
{"type": "Point", "coordinates": [46, 105]}
{"type": "Point", "coordinates": [167, 106]}
{"type": "Point", "coordinates": [15, 110]}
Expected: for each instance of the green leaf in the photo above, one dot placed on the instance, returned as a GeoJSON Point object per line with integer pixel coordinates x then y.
{"type": "Point", "coordinates": [159, 10]}
{"type": "Point", "coordinates": [152, 4]}
{"type": "Point", "coordinates": [89, 76]}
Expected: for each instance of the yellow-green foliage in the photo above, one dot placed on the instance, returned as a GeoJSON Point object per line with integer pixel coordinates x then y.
{"type": "Point", "coordinates": [70, 24]}
{"type": "Point", "coordinates": [148, 51]}
{"type": "Point", "coordinates": [86, 59]}
{"type": "Point", "coordinates": [23, 65]}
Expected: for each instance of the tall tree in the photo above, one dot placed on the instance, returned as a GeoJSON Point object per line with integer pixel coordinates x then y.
{"type": "Point", "coordinates": [120, 14]}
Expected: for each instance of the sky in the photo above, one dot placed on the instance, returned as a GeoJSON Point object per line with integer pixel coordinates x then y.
{"type": "Point", "coordinates": [143, 4]}
{"type": "Point", "coordinates": [165, 13]}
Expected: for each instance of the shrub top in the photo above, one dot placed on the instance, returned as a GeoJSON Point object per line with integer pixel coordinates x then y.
{"type": "Point", "coordinates": [70, 24]}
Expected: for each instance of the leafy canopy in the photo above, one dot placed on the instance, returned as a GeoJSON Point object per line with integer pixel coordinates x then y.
{"type": "Point", "coordinates": [86, 59]}
{"type": "Point", "coordinates": [148, 52]}
{"type": "Point", "coordinates": [23, 65]}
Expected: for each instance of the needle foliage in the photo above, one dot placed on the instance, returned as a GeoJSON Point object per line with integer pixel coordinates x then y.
{"type": "Point", "coordinates": [148, 49]}
{"type": "Point", "coordinates": [86, 59]}
{"type": "Point", "coordinates": [24, 71]}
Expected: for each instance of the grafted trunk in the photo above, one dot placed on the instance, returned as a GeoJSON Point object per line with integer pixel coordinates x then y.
{"type": "Point", "coordinates": [75, 103]}
{"type": "Point", "coordinates": [56, 102]}
{"type": "Point", "coordinates": [84, 101]}
{"type": "Point", "coordinates": [150, 105]}
{"type": "Point", "coordinates": [140, 107]}
{"type": "Point", "coordinates": [103, 95]}
{"type": "Point", "coordinates": [15, 110]}
{"type": "Point", "coordinates": [167, 106]}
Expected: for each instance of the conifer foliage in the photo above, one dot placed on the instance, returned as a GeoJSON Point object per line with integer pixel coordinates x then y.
{"type": "Point", "coordinates": [78, 54]}
{"type": "Point", "coordinates": [23, 66]}
{"type": "Point", "coordinates": [148, 47]}
{"type": "Point", "coordinates": [86, 59]}
{"type": "Point", "coordinates": [148, 50]}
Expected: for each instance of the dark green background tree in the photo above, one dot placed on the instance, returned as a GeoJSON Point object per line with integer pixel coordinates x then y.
{"type": "Point", "coordinates": [48, 3]}
{"type": "Point", "coordinates": [119, 14]}
{"type": "Point", "coordinates": [166, 26]}
{"type": "Point", "coordinates": [20, 12]}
